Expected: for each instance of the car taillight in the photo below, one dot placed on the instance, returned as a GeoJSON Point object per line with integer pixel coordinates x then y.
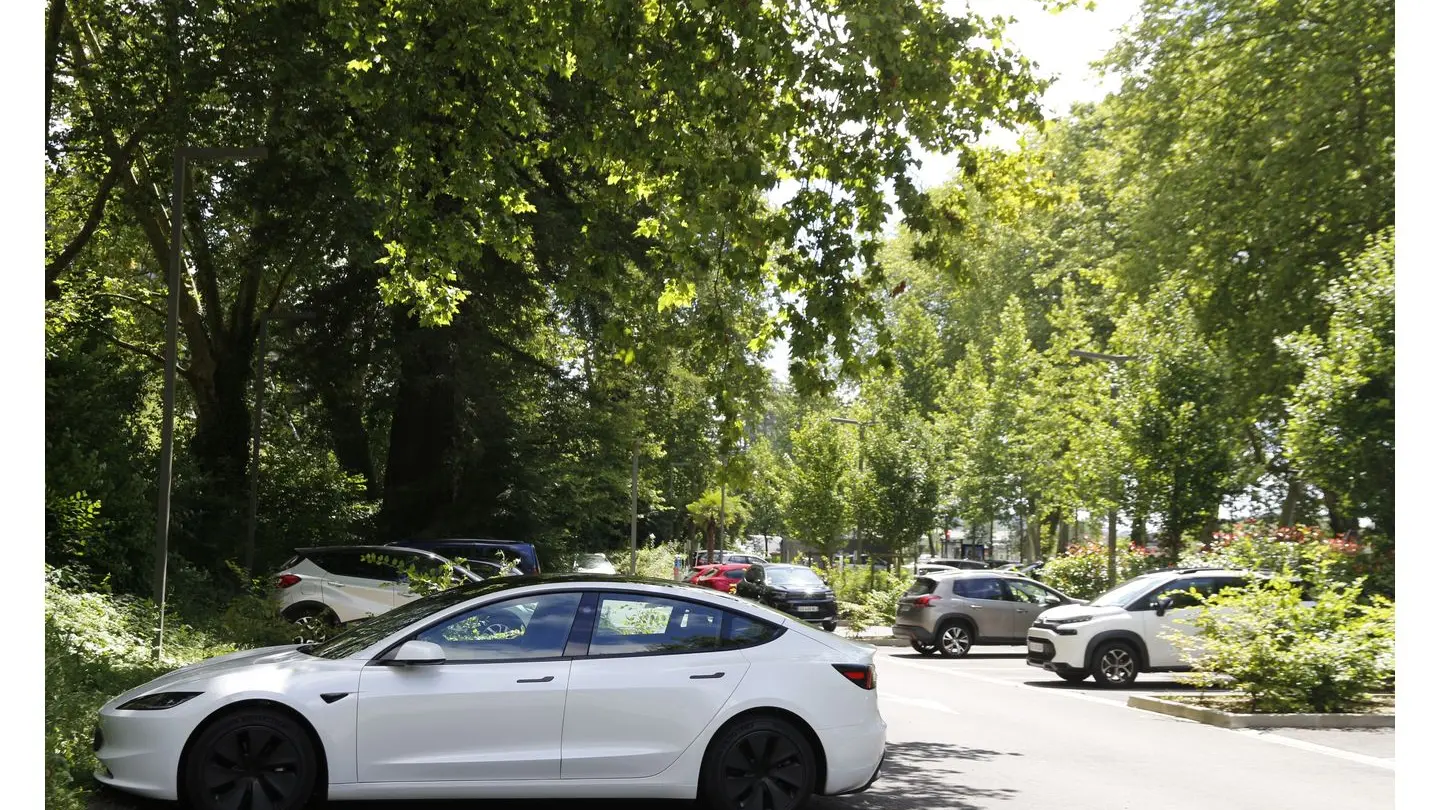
{"type": "Point", "coordinates": [927, 601]}
{"type": "Point", "coordinates": [861, 676]}
{"type": "Point", "coordinates": [286, 580]}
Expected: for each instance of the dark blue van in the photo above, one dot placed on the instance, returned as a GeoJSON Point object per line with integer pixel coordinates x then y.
{"type": "Point", "coordinates": [485, 549]}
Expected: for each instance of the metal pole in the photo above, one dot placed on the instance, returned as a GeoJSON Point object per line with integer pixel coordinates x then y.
{"type": "Point", "coordinates": [722, 520]}
{"type": "Point", "coordinates": [167, 418]}
{"type": "Point", "coordinates": [634, 505]}
{"type": "Point", "coordinates": [255, 424]}
{"type": "Point", "coordinates": [1110, 542]}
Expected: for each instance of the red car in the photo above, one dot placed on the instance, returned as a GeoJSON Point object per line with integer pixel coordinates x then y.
{"type": "Point", "coordinates": [722, 577]}
{"type": "Point", "coordinates": [694, 574]}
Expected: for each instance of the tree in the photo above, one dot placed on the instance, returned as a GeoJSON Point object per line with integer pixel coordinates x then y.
{"type": "Point", "coordinates": [1341, 428]}
{"type": "Point", "coordinates": [815, 508]}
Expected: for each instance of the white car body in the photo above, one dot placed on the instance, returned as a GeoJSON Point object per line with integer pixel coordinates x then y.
{"type": "Point", "coordinates": [358, 589]}
{"type": "Point", "coordinates": [1066, 639]}
{"type": "Point", "coordinates": [581, 725]}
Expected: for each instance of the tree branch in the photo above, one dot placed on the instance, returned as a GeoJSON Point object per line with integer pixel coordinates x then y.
{"type": "Point", "coordinates": [120, 165]}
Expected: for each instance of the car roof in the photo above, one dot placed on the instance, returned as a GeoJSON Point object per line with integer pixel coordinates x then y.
{"type": "Point", "coordinates": [385, 549]}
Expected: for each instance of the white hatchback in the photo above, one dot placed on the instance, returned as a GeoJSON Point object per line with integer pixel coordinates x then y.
{"type": "Point", "coordinates": [571, 687]}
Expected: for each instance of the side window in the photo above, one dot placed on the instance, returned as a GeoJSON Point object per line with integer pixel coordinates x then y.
{"type": "Point", "coordinates": [637, 624]}
{"type": "Point", "coordinates": [979, 588]}
{"type": "Point", "coordinates": [1030, 592]}
{"type": "Point", "coordinates": [1179, 592]}
{"type": "Point", "coordinates": [743, 631]}
{"type": "Point", "coordinates": [525, 628]}
{"type": "Point", "coordinates": [735, 574]}
{"type": "Point", "coordinates": [351, 564]}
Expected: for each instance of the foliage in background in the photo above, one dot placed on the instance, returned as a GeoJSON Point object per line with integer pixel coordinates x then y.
{"type": "Point", "coordinates": [1306, 551]}
{"type": "Point", "coordinates": [860, 604]}
{"type": "Point", "coordinates": [1287, 656]}
{"type": "Point", "coordinates": [656, 562]}
{"type": "Point", "coordinates": [1082, 571]}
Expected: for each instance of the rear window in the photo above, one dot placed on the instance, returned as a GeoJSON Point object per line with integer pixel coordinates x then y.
{"type": "Point", "coordinates": [921, 587]}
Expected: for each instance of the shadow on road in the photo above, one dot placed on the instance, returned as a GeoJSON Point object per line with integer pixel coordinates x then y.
{"type": "Point", "coordinates": [1138, 686]}
{"type": "Point", "coordinates": [1020, 656]}
{"type": "Point", "coordinates": [917, 776]}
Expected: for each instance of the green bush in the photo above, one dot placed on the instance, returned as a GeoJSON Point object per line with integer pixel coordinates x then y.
{"type": "Point", "coordinates": [860, 604]}
{"type": "Point", "coordinates": [657, 562]}
{"type": "Point", "coordinates": [1083, 571]}
{"type": "Point", "coordinates": [1289, 657]}
{"type": "Point", "coordinates": [98, 645]}
{"type": "Point", "coordinates": [1305, 551]}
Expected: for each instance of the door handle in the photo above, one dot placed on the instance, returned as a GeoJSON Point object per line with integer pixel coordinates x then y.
{"type": "Point", "coordinates": [707, 677]}
{"type": "Point", "coordinates": [546, 679]}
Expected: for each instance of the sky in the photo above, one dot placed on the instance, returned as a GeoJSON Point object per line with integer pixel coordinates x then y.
{"type": "Point", "coordinates": [1061, 46]}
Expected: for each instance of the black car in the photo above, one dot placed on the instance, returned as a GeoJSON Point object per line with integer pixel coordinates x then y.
{"type": "Point", "coordinates": [793, 589]}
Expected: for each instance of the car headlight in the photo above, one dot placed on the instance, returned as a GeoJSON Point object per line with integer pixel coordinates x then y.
{"type": "Point", "coordinates": [157, 701]}
{"type": "Point", "coordinates": [1070, 620]}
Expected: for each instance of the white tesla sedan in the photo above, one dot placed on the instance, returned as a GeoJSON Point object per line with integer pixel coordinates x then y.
{"type": "Point", "coordinates": [564, 687]}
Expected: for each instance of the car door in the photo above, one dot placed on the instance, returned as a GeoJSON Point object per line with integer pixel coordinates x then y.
{"type": "Point", "coordinates": [987, 604]}
{"type": "Point", "coordinates": [653, 678]}
{"type": "Point", "coordinates": [1028, 601]}
{"type": "Point", "coordinates": [1179, 617]}
{"type": "Point", "coordinates": [356, 588]}
{"type": "Point", "coordinates": [493, 710]}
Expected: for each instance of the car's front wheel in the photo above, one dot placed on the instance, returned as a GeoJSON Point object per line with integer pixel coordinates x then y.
{"type": "Point", "coordinates": [1115, 664]}
{"type": "Point", "coordinates": [759, 762]}
{"type": "Point", "coordinates": [829, 627]}
{"type": "Point", "coordinates": [954, 640]}
{"type": "Point", "coordinates": [252, 759]}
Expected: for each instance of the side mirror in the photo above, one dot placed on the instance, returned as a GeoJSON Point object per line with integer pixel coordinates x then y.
{"type": "Point", "coordinates": [1163, 604]}
{"type": "Point", "coordinates": [418, 652]}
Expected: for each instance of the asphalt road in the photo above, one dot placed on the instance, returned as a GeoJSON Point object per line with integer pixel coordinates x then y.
{"type": "Point", "coordinates": [989, 732]}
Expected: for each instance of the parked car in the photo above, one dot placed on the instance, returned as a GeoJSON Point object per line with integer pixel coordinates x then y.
{"type": "Point", "coordinates": [333, 585]}
{"type": "Point", "coordinates": [1122, 632]}
{"type": "Point", "coordinates": [925, 569]}
{"type": "Point", "coordinates": [699, 680]}
{"type": "Point", "coordinates": [793, 589]}
{"type": "Point", "coordinates": [700, 558]}
{"type": "Point", "coordinates": [594, 564]}
{"type": "Point", "coordinates": [488, 549]}
{"type": "Point", "coordinates": [956, 562]}
{"type": "Point", "coordinates": [694, 574]}
{"type": "Point", "coordinates": [952, 612]}
{"type": "Point", "coordinates": [723, 577]}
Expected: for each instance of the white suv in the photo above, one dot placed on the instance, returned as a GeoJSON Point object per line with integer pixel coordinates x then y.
{"type": "Point", "coordinates": [1122, 632]}
{"type": "Point", "coordinates": [334, 585]}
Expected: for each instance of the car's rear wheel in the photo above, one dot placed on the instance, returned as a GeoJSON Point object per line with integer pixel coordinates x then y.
{"type": "Point", "coordinates": [761, 762]}
{"type": "Point", "coordinates": [249, 760]}
{"type": "Point", "coordinates": [1073, 675]}
{"type": "Point", "coordinates": [923, 649]}
{"type": "Point", "coordinates": [954, 640]}
{"type": "Point", "coordinates": [1115, 664]}
{"type": "Point", "coordinates": [313, 623]}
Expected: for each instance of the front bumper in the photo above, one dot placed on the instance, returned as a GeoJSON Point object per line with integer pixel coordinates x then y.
{"type": "Point", "coordinates": [1054, 652]}
{"type": "Point", "coordinates": [814, 612]}
{"type": "Point", "coordinates": [139, 751]}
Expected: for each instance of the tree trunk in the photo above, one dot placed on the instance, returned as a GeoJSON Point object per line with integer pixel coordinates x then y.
{"type": "Point", "coordinates": [219, 382]}
{"type": "Point", "coordinates": [419, 462]}
{"type": "Point", "coordinates": [1292, 501]}
{"type": "Point", "coordinates": [345, 419]}
{"type": "Point", "coordinates": [1340, 522]}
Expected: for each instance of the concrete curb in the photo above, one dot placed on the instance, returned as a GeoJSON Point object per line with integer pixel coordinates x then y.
{"type": "Point", "coordinates": [1223, 719]}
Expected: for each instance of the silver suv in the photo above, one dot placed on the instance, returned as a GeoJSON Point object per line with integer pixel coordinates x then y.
{"type": "Point", "coordinates": [954, 611]}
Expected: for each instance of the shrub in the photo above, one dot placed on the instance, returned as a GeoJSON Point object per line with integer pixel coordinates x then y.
{"type": "Point", "coordinates": [1304, 551]}
{"type": "Point", "coordinates": [1286, 656]}
{"type": "Point", "coordinates": [657, 562]}
{"type": "Point", "coordinates": [1083, 571]}
{"type": "Point", "coordinates": [859, 603]}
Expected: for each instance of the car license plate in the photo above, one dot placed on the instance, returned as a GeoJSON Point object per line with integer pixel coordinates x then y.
{"type": "Point", "coordinates": [1035, 646]}
{"type": "Point", "coordinates": [808, 608]}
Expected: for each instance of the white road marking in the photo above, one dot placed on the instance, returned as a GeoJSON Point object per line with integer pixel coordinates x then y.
{"type": "Point", "coordinates": [1363, 759]}
{"type": "Point", "coordinates": [1257, 734]}
{"type": "Point", "coordinates": [929, 705]}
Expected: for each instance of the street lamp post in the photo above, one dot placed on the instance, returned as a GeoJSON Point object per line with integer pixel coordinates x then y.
{"type": "Point", "coordinates": [184, 155]}
{"type": "Point", "coordinates": [1112, 518]}
{"type": "Point", "coordinates": [858, 541]}
{"type": "Point", "coordinates": [256, 420]}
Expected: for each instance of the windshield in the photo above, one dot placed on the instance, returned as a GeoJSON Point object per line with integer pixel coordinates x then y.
{"type": "Point", "coordinates": [373, 630]}
{"type": "Point", "coordinates": [794, 578]}
{"type": "Point", "coordinates": [1124, 594]}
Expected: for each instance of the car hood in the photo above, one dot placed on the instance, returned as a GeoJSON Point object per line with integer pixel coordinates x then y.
{"type": "Point", "coordinates": [259, 668]}
{"type": "Point", "coordinates": [1071, 611]}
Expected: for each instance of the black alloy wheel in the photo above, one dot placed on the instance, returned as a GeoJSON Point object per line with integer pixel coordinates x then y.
{"type": "Point", "coordinates": [759, 764]}
{"type": "Point", "coordinates": [252, 760]}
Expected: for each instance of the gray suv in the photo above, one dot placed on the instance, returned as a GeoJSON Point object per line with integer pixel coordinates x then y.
{"type": "Point", "coordinates": [954, 611]}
